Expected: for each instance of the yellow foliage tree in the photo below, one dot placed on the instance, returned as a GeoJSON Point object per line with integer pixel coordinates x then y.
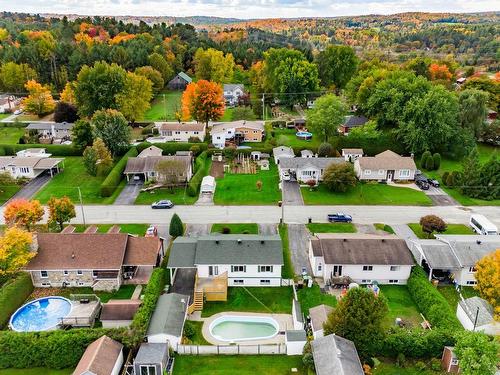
{"type": "Point", "coordinates": [4, 34]}
{"type": "Point", "coordinates": [68, 94]}
{"type": "Point", "coordinates": [23, 212]}
{"type": "Point", "coordinates": [14, 250]}
{"type": "Point", "coordinates": [488, 280]}
{"type": "Point", "coordinates": [39, 100]}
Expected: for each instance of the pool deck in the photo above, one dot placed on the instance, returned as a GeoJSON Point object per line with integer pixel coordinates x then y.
{"type": "Point", "coordinates": [82, 314]}
{"type": "Point", "coordinates": [284, 320]}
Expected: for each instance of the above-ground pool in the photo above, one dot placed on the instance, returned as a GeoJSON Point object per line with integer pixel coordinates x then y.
{"type": "Point", "coordinates": [305, 136]}
{"type": "Point", "coordinates": [243, 328]}
{"type": "Point", "coordinates": [40, 315]}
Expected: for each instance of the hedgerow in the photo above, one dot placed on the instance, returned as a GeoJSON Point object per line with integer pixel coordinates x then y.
{"type": "Point", "coordinates": [12, 295]}
{"type": "Point", "coordinates": [109, 185]}
{"type": "Point", "coordinates": [199, 168]}
{"type": "Point", "coordinates": [55, 150]}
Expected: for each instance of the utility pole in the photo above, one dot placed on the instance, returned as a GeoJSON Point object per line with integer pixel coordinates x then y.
{"type": "Point", "coordinates": [263, 107]}
{"type": "Point", "coordinates": [165, 105]}
{"type": "Point", "coordinates": [475, 320]}
{"type": "Point", "coordinates": [81, 204]}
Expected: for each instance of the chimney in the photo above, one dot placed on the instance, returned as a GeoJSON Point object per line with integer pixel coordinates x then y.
{"type": "Point", "coordinates": [217, 242]}
{"type": "Point", "coordinates": [262, 242]}
{"type": "Point", "coordinates": [34, 243]}
{"type": "Point", "coordinates": [239, 241]}
{"type": "Point", "coordinates": [73, 255]}
{"type": "Point", "coordinates": [478, 242]}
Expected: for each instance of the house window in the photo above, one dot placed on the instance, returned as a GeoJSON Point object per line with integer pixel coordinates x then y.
{"type": "Point", "coordinates": [177, 132]}
{"type": "Point", "coordinates": [80, 283]}
{"type": "Point", "coordinates": [265, 282]}
{"type": "Point", "coordinates": [46, 285]}
{"type": "Point", "coordinates": [394, 268]}
{"type": "Point", "coordinates": [95, 274]}
{"type": "Point", "coordinates": [168, 133]}
{"type": "Point", "coordinates": [65, 273]}
{"type": "Point", "coordinates": [238, 268]}
{"type": "Point", "coordinates": [454, 361]}
{"type": "Point", "coordinates": [472, 269]}
{"type": "Point", "coordinates": [404, 173]}
{"type": "Point", "coordinates": [265, 268]}
{"type": "Point", "coordinates": [320, 267]}
{"type": "Point", "coordinates": [393, 281]}
{"type": "Point", "coordinates": [367, 268]}
{"type": "Point", "coordinates": [471, 282]}
{"type": "Point", "coordinates": [368, 172]}
{"type": "Point", "coordinates": [148, 370]}
{"type": "Point", "coordinates": [366, 281]}
{"type": "Point", "coordinates": [380, 171]}
{"type": "Point", "coordinates": [196, 132]}
{"type": "Point", "coordinates": [238, 282]}
{"type": "Point", "coordinates": [44, 274]}
{"type": "Point", "coordinates": [79, 272]}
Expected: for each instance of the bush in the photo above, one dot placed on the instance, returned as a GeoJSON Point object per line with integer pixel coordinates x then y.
{"type": "Point", "coordinates": [278, 124]}
{"type": "Point", "coordinates": [416, 343]}
{"type": "Point", "coordinates": [429, 163]}
{"type": "Point", "coordinates": [435, 364]}
{"type": "Point", "coordinates": [401, 360]}
{"type": "Point", "coordinates": [226, 230]}
{"type": "Point", "coordinates": [147, 130]}
{"type": "Point", "coordinates": [444, 177]}
{"type": "Point", "coordinates": [55, 150]}
{"type": "Point", "coordinates": [111, 182]}
{"type": "Point", "coordinates": [430, 302]}
{"type": "Point", "coordinates": [370, 145]}
{"type": "Point", "coordinates": [420, 366]}
{"type": "Point", "coordinates": [450, 180]}
{"type": "Point", "coordinates": [189, 330]}
{"type": "Point", "coordinates": [325, 149]}
{"type": "Point", "coordinates": [12, 295]}
{"type": "Point", "coordinates": [437, 160]}
{"type": "Point", "coordinates": [423, 158]}
{"type": "Point", "coordinates": [199, 167]}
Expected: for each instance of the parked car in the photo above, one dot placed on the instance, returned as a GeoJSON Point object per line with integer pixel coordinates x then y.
{"type": "Point", "coordinates": [432, 182]}
{"type": "Point", "coordinates": [339, 218]}
{"type": "Point", "coordinates": [162, 204]}
{"type": "Point", "coordinates": [152, 231]}
{"type": "Point", "coordinates": [422, 184]}
{"type": "Point", "coordinates": [18, 111]}
{"type": "Point", "coordinates": [285, 176]}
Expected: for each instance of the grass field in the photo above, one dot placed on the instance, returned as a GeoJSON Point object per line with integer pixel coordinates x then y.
{"type": "Point", "coordinates": [74, 175]}
{"type": "Point", "coordinates": [384, 227]}
{"type": "Point", "coordinates": [310, 297]}
{"type": "Point", "coordinates": [452, 296]}
{"type": "Point", "coordinates": [10, 135]}
{"type": "Point", "coordinates": [287, 137]}
{"type": "Point", "coordinates": [178, 196]}
{"type": "Point", "coordinates": [137, 229]}
{"type": "Point", "coordinates": [197, 338]}
{"type": "Point", "coordinates": [409, 369]}
{"type": "Point", "coordinates": [35, 371]}
{"type": "Point", "coordinates": [7, 191]}
{"type": "Point", "coordinates": [451, 229]}
{"type": "Point", "coordinates": [236, 228]}
{"type": "Point", "coordinates": [400, 304]}
{"type": "Point", "coordinates": [164, 107]}
{"type": "Point", "coordinates": [240, 189]}
{"type": "Point", "coordinates": [242, 365]}
{"type": "Point", "coordinates": [287, 271]}
{"type": "Point", "coordinates": [366, 194]}
{"type": "Point", "coordinates": [228, 115]}
{"type": "Point", "coordinates": [331, 228]}
{"type": "Point", "coordinates": [261, 299]}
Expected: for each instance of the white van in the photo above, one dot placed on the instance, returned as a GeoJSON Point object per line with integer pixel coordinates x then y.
{"type": "Point", "coordinates": [481, 225]}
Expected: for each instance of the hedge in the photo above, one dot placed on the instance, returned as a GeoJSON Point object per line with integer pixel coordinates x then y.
{"type": "Point", "coordinates": [13, 124]}
{"type": "Point", "coordinates": [430, 302]}
{"type": "Point", "coordinates": [371, 146]}
{"type": "Point", "coordinates": [173, 147]}
{"type": "Point", "coordinates": [109, 185]}
{"type": "Point", "coordinates": [199, 167]}
{"type": "Point", "coordinates": [12, 295]}
{"type": "Point", "coordinates": [416, 343]}
{"type": "Point", "coordinates": [55, 150]}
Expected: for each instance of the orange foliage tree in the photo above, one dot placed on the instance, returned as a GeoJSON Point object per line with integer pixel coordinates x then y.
{"type": "Point", "coordinates": [14, 250]}
{"type": "Point", "coordinates": [203, 101]}
{"type": "Point", "coordinates": [437, 71]}
{"type": "Point", "coordinates": [488, 280]}
{"type": "Point", "coordinates": [39, 100]}
{"type": "Point", "coordinates": [23, 212]}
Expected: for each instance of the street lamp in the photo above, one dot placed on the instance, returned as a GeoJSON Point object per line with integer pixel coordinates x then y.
{"type": "Point", "coordinates": [81, 204]}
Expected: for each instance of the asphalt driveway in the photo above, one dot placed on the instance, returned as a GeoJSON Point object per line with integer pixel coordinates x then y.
{"type": "Point", "coordinates": [184, 281]}
{"type": "Point", "coordinates": [291, 193]}
{"type": "Point", "coordinates": [197, 230]}
{"type": "Point", "coordinates": [129, 194]}
{"type": "Point", "coordinates": [267, 229]}
{"type": "Point", "coordinates": [298, 238]}
{"type": "Point", "coordinates": [32, 187]}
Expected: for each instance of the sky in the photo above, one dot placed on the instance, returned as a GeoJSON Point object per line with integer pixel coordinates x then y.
{"type": "Point", "coordinates": [246, 9]}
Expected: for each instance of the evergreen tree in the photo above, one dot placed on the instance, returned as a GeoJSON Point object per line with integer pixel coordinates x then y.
{"type": "Point", "coordinates": [176, 228]}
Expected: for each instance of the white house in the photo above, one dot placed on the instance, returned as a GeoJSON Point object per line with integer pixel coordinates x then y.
{"type": "Point", "coordinates": [246, 259]}
{"type": "Point", "coordinates": [352, 154]}
{"type": "Point", "coordinates": [304, 169]}
{"type": "Point", "coordinates": [29, 163]}
{"type": "Point", "coordinates": [51, 130]}
{"type": "Point", "coordinates": [453, 257]}
{"type": "Point", "coordinates": [360, 258]}
{"type": "Point", "coordinates": [386, 166]}
{"type": "Point", "coordinates": [232, 93]}
{"type": "Point", "coordinates": [282, 152]}
{"type": "Point", "coordinates": [167, 323]}
{"type": "Point", "coordinates": [306, 154]}
{"type": "Point", "coordinates": [476, 314]}
{"type": "Point", "coordinates": [181, 132]}
{"type": "Point", "coordinates": [236, 132]}
{"type": "Point", "coordinates": [319, 315]}
{"type": "Point", "coordinates": [103, 356]}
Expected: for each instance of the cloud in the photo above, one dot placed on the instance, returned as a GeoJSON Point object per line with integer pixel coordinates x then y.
{"type": "Point", "coordinates": [245, 8]}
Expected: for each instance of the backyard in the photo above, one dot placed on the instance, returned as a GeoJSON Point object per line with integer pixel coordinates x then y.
{"type": "Point", "coordinates": [164, 107]}
{"type": "Point", "coordinates": [236, 228]}
{"type": "Point", "coordinates": [125, 292]}
{"type": "Point", "coordinates": [288, 138]}
{"type": "Point", "coordinates": [450, 229]}
{"type": "Point", "coordinates": [7, 191]}
{"type": "Point", "coordinates": [241, 189]}
{"type": "Point", "coordinates": [262, 300]}
{"type": "Point", "coordinates": [10, 135]}
{"type": "Point", "coordinates": [331, 228]}
{"type": "Point", "coordinates": [400, 305]}
{"type": "Point", "coordinates": [366, 194]}
{"type": "Point", "coordinates": [242, 364]}
{"type": "Point", "coordinates": [75, 175]}
{"type": "Point", "coordinates": [310, 297]}
{"type": "Point", "coordinates": [410, 368]}
{"type": "Point", "coordinates": [449, 292]}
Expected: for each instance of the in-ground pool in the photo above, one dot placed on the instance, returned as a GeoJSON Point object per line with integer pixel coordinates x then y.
{"type": "Point", "coordinates": [305, 136]}
{"type": "Point", "coordinates": [243, 328]}
{"type": "Point", "coordinates": [40, 315]}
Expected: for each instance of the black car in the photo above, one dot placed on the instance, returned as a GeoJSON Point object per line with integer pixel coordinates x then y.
{"type": "Point", "coordinates": [339, 218]}
{"type": "Point", "coordinates": [162, 204]}
{"type": "Point", "coordinates": [432, 182]}
{"type": "Point", "coordinates": [422, 184]}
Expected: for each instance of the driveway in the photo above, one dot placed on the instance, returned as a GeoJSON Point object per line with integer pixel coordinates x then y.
{"type": "Point", "coordinates": [298, 239]}
{"type": "Point", "coordinates": [184, 281]}
{"type": "Point", "coordinates": [404, 231]}
{"type": "Point", "coordinates": [439, 197]}
{"type": "Point", "coordinates": [197, 230]}
{"type": "Point", "coordinates": [291, 193]}
{"type": "Point", "coordinates": [267, 229]}
{"type": "Point", "coordinates": [32, 187]}
{"type": "Point", "coordinates": [129, 194]}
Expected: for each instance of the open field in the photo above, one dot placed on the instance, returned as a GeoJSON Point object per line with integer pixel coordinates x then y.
{"type": "Point", "coordinates": [10, 135]}
{"type": "Point", "coordinates": [236, 228]}
{"type": "Point", "coordinates": [401, 305]}
{"type": "Point", "coordinates": [164, 107]}
{"type": "Point", "coordinates": [331, 228]}
{"type": "Point", "coordinates": [366, 194]}
{"type": "Point", "coordinates": [451, 229]}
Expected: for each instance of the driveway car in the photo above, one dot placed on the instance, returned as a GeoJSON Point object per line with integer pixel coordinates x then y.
{"type": "Point", "coordinates": [432, 182]}
{"type": "Point", "coordinates": [422, 184]}
{"type": "Point", "coordinates": [339, 218]}
{"type": "Point", "coordinates": [162, 204]}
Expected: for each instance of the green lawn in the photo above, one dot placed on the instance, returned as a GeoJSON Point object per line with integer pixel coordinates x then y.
{"type": "Point", "coordinates": [137, 229]}
{"type": "Point", "coordinates": [310, 297]}
{"type": "Point", "coordinates": [238, 228]}
{"type": "Point", "coordinates": [125, 292]}
{"type": "Point", "coordinates": [331, 228]}
{"type": "Point", "coordinates": [74, 175]}
{"type": "Point", "coordinates": [451, 229]}
{"type": "Point", "coordinates": [170, 101]}
{"type": "Point", "coordinates": [409, 369]}
{"type": "Point", "coordinates": [228, 115]}
{"type": "Point", "coordinates": [287, 271]}
{"type": "Point", "coordinates": [287, 137]}
{"type": "Point", "coordinates": [401, 305]}
{"type": "Point", "coordinates": [4, 115]}
{"type": "Point", "coordinates": [240, 189]}
{"type": "Point", "coordinates": [366, 194]}
{"type": "Point", "coordinates": [241, 364]}
{"type": "Point", "coordinates": [177, 196]}
{"type": "Point", "coordinates": [384, 227]}
{"type": "Point", "coordinates": [197, 338]}
{"type": "Point", "coordinates": [7, 191]}
{"type": "Point", "coordinates": [35, 371]}
{"type": "Point", "coordinates": [258, 299]}
{"type": "Point", "coordinates": [10, 135]}
{"type": "Point", "coordinates": [451, 295]}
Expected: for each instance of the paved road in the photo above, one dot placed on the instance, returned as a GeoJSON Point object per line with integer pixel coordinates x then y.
{"type": "Point", "coordinates": [272, 214]}
{"type": "Point", "coordinates": [298, 238]}
{"type": "Point", "coordinates": [291, 193]}
{"type": "Point", "coordinates": [128, 194]}
{"type": "Point", "coordinates": [439, 197]}
{"type": "Point", "coordinates": [31, 188]}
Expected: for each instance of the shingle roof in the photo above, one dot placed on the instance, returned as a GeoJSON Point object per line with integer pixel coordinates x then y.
{"type": "Point", "coordinates": [120, 309]}
{"type": "Point", "coordinates": [168, 317]}
{"type": "Point", "coordinates": [320, 163]}
{"type": "Point", "coordinates": [149, 163]}
{"type": "Point", "coordinates": [219, 127]}
{"type": "Point", "coordinates": [472, 305]}
{"type": "Point", "coordinates": [183, 126]}
{"type": "Point", "coordinates": [185, 77]}
{"type": "Point", "coordinates": [142, 251]}
{"type": "Point", "coordinates": [386, 160]}
{"type": "Point", "coordinates": [319, 315]}
{"type": "Point", "coordinates": [335, 355]}
{"type": "Point", "coordinates": [182, 253]}
{"type": "Point", "coordinates": [354, 121]}
{"type": "Point", "coordinates": [48, 126]}
{"type": "Point", "coordinates": [357, 151]}
{"type": "Point", "coordinates": [99, 357]}
{"type": "Point", "coordinates": [351, 249]}
{"type": "Point", "coordinates": [281, 151]}
{"type": "Point", "coordinates": [150, 151]}
{"type": "Point", "coordinates": [150, 353]}
{"type": "Point", "coordinates": [233, 86]}
{"type": "Point", "coordinates": [296, 335]}
{"type": "Point", "coordinates": [34, 162]}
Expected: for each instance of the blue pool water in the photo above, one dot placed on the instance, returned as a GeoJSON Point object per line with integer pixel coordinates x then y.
{"type": "Point", "coordinates": [40, 315]}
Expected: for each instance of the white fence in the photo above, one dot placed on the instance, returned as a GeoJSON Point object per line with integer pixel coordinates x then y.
{"type": "Point", "coordinates": [231, 349]}
{"type": "Point", "coordinates": [287, 282]}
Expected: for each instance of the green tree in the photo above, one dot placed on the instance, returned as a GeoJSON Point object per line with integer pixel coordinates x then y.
{"type": "Point", "coordinates": [159, 63]}
{"type": "Point", "coordinates": [97, 159]}
{"type": "Point", "coordinates": [112, 127]}
{"type": "Point", "coordinates": [471, 174]}
{"type": "Point", "coordinates": [339, 177]}
{"type": "Point", "coordinates": [473, 110]}
{"type": "Point", "coordinates": [419, 66]}
{"type": "Point", "coordinates": [436, 158]}
{"type": "Point", "coordinates": [134, 100]}
{"type": "Point", "coordinates": [14, 76]}
{"type": "Point", "coordinates": [90, 160]}
{"type": "Point", "coordinates": [82, 134]}
{"type": "Point", "coordinates": [327, 115]}
{"type": "Point", "coordinates": [477, 353]}
{"type": "Point", "coordinates": [61, 210]}
{"type": "Point", "coordinates": [336, 64]}
{"type": "Point", "coordinates": [358, 317]}
{"type": "Point", "coordinates": [176, 228]}
{"type": "Point", "coordinates": [424, 157]}
{"type": "Point", "coordinates": [212, 65]}
{"type": "Point", "coordinates": [429, 163]}
{"type": "Point", "coordinates": [325, 149]}
{"type": "Point", "coordinates": [153, 75]}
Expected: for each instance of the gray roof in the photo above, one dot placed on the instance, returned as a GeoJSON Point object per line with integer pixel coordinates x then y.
{"type": "Point", "coordinates": [182, 253]}
{"type": "Point", "coordinates": [169, 315]}
{"type": "Point", "coordinates": [48, 126]}
{"type": "Point", "coordinates": [283, 151]}
{"type": "Point", "coordinates": [320, 163]}
{"type": "Point", "coordinates": [334, 355]}
{"type": "Point", "coordinates": [233, 86]}
{"type": "Point", "coordinates": [152, 353]}
{"type": "Point", "coordinates": [185, 77]}
{"type": "Point", "coordinates": [296, 335]}
{"type": "Point", "coordinates": [354, 121]}
{"type": "Point", "coordinates": [148, 163]}
{"type": "Point", "coordinates": [319, 315]}
{"type": "Point", "coordinates": [471, 305]}
{"type": "Point", "coordinates": [387, 160]}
